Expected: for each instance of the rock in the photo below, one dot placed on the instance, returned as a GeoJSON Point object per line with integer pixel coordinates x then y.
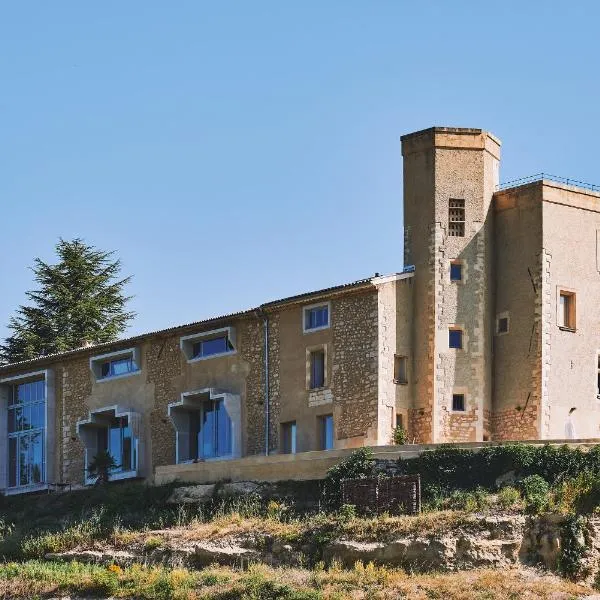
{"type": "Point", "coordinates": [192, 494]}
{"type": "Point", "coordinates": [109, 557]}
{"type": "Point", "coordinates": [239, 488]}
{"type": "Point", "coordinates": [208, 553]}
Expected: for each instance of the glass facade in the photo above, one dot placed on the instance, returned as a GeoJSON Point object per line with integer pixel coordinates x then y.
{"type": "Point", "coordinates": [26, 433]}
{"type": "Point", "coordinates": [117, 439]}
{"type": "Point", "coordinates": [315, 318]}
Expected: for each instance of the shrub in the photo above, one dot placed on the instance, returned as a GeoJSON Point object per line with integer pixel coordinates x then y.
{"type": "Point", "coordinates": [536, 493]}
{"type": "Point", "coordinates": [347, 512]}
{"type": "Point", "coordinates": [359, 465]}
{"type": "Point", "coordinates": [580, 494]}
{"type": "Point", "coordinates": [399, 436]}
{"type": "Point", "coordinates": [573, 547]}
{"type": "Point", "coordinates": [508, 497]}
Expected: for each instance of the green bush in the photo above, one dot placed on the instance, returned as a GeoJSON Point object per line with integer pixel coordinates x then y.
{"type": "Point", "coordinates": [448, 468]}
{"type": "Point", "coordinates": [573, 547]}
{"type": "Point", "coordinates": [536, 492]}
{"type": "Point", "coordinates": [399, 436]}
{"type": "Point", "coordinates": [508, 497]}
{"type": "Point", "coordinates": [359, 465]}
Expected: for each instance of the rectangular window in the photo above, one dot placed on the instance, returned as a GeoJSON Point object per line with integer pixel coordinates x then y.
{"type": "Point", "coordinates": [26, 433]}
{"type": "Point", "coordinates": [458, 402]}
{"type": "Point", "coordinates": [326, 426]}
{"type": "Point", "coordinates": [215, 431]}
{"type": "Point", "coordinates": [212, 346]}
{"type": "Point", "coordinates": [455, 338]}
{"type": "Point", "coordinates": [117, 439]}
{"type": "Point", "coordinates": [317, 369]}
{"type": "Point", "coordinates": [400, 369]}
{"type": "Point", "coordinates": [502, 324]}
{"type": "Point", "coordinates": [455, 271]}
{"type": "Point", "coordinates": [288, 438]}
{"type": "Point", "coordinates": [120, 366]}
{"type": "Point", "coordinates": [456, 218]}
{"type": "Point", "coordinates": [400, 421]}
{"type": "Point", "coordinates": [598, 376]}
{"type": "Point", "coordinates": [316, 317]}
{"type": "Point", "coordinates": [566, 310]}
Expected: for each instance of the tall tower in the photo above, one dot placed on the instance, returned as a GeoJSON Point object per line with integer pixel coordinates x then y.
{"type": "Point", "coordinates": [450, 175]}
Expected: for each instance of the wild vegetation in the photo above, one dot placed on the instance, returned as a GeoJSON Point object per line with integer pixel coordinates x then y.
{"type": "Point", "coordinates": [459, 489]}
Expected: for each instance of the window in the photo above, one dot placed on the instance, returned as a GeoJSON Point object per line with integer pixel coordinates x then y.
{"type": "Point", "coordinates": [214, 436]}
{"type": "Point", "coordinates": [26, 433]}
{"type": "Point", "coordinates": [458, 402]}
{"type": "Point", "coordinates": [288, 438]}
{"type": "Point", "coordinates": [210, 347]}
{"type": "Point", "coordinates": [455, 338]}
{"type": "Point", "coordinates": [121, 366]}
{"type": "Point", "coordinates": [317, 369]}
{"type": "Point", "coordinates": [117, 439]}
{"type": "Point", "coordinates": [455, 271]}
{"type": "Point", "coordinates": [316, 317]}
{"type": "Point", "coordinates": [456, 218]}
{"type": "Point", "coordinates": [598, 376]}
{"type": "Point", "coordinates": [208, 344]}
{"type": "Point", "coordinates": [326, 433]}
{"type": "Point", "coordinates": [400, 421]}
{"type": "Point", "coordinates": [502, 324]}
{"type": "Point", "coordinates": [121, 363]}
{"type": "Point", "coordinates": [566, 310]}
{"type": "Point", "coordinates": [400, 369]}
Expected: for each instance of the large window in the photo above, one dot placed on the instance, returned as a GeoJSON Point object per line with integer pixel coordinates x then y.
{"type": "Point", "coordinates": [208, 344]}
{"type": "Point", "coordinates": [316, 317]}
{"type": "Point", "coordinates": [117, 439]}
{"type": "Point", "coordinates": [26, 432]}
{"type": "Point", "coordinates": [120, 366]}
{"type": "Point", "coordinates": [215, 430]}
{"type": "Point", "coordinates": [112, 365]}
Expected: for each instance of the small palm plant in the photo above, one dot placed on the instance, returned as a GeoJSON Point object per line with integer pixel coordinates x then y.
{"type": "Point", "coordinates": [101, 466]}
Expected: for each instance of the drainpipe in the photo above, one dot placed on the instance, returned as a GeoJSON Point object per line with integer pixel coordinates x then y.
{"type": "Point", "coordinates": [263, 314]}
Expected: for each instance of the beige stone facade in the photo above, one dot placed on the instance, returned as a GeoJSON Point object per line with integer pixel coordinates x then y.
{"type": "Point", "coordinates": [490, 332]}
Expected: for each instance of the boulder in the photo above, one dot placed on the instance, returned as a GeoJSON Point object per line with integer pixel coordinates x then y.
{"type": "Point", "coordinates": [192, 494]}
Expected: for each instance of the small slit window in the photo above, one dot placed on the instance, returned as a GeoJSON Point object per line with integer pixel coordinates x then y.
{"type": "Point", "coordinates": [458, 402]}
{"type": "Point", "coordinates": [401, 369]}
{"type": "Point", "coordinates": [502, 324]}
{"type": "Point", "coordinates": [566, 310]}
{"type": "Point", "coordinates": [456, 218]}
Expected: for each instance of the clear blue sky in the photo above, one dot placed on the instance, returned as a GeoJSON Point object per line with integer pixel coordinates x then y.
{"type": "Point", "coordinates": [238, 152]}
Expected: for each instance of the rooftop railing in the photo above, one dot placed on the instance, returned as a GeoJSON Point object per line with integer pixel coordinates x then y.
{"type": "Point", "coordinates": [548, 177]}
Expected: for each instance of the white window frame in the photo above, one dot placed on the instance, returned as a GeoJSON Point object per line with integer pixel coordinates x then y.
{"type": "Point", "coordinates": [187, 342]}
{"type": "Point", "coordinates": [96, 363]}
{"type": "Point", "coordinates": [305, 309]}
{"type": "Point", "coordinates": [49, 433]}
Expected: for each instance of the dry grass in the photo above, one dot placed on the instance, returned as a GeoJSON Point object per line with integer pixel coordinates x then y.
{"type": "Point", "coordinates": [31, 579]}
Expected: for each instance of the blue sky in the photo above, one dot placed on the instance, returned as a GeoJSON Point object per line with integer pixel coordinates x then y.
{"type": "Point", "coordinates": [233, 153]}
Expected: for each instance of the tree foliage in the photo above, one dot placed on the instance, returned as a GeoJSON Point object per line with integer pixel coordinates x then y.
{"type": "Point", "coordinates": [79, 301]}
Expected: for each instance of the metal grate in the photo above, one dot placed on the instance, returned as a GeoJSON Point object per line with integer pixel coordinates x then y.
{"type": "Point", "coordinates": [456, 218]}
{"type": "Point", "coordinates": [392, 495]}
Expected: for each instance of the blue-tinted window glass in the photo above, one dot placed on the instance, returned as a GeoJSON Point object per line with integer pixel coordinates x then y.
{"type": "Point", "coordinates": [317, 317]}
{"type": "Point", "coordinates": [208, 430]}
{"type": "Point", "coordinates": [218, 345]}
{"type": "Point", "coordinates": [12, 461]}
{"type": "Point", "coordinates": [37, 457]}
{"type": "Point", "coordinates": [223, 430]}
{"type": "Point", "coordinates": [327, 432]}
{"type": "Point", "coordinates": [288, 435]}
{"type": "Point", "coordinates": [455, 338]}
{"type": "Point", "coordinates": [121, 366]}
{"type": "Point", "coordinates": [455, 272]}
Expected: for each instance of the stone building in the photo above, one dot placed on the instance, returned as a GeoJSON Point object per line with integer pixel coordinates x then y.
{"type": "Point", "coordinates": [489, 332]}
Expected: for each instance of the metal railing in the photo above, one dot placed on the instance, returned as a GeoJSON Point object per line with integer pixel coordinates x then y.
{"type": "Point", "coordinates": [547, 176]}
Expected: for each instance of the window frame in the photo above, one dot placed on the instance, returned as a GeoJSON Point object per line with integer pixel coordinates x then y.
{"type": "Point", "coordinates": [324, 420]}
{"type": "Point", "coordinates": [456, 328]}
{"type": "Point", "coordinates": [462, 395]}
{"type": "Point", "coordinates": [460, 265]}
{"type": "Point", "coordinates": [310, 350]}
{"type": "Point", "coordinates": [97, 362]}
{"type": "Point", "coordinates": [290, 427]}
{"type": "Point", "coordinates": [570, 313]}
{"type": "Point", "coordinates": [188, 342]}
{"type": "Point", "coordinates": [398, 359]}
{"type": "Point", "coordinates": [306, 309]}
{"type": "Point", "coordinates": [456, 224]}
{"type": "Point", "coordinates": [499, 317]}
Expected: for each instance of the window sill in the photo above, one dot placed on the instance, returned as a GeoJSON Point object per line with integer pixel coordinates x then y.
{"type": "Point", "coordinates": [313, 329]}
{"type": "Point", "coordinates": [569, 329]}
{"type": "Point", "coordinates": [25, 489]}
{"type": "Point", "coordinates": [114, 477]}
{"type": "Point", "coordinates": [219, 355]}
{"type": "Point", "coordinates": [114, 377]}
{"type": "Point", "coordinates": [317, 389]}
{"type": "Point", "coordinates": [400, 382]}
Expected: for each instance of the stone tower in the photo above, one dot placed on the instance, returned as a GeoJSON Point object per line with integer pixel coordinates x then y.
{"type": "Point", "coordinates": [450, 175]}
